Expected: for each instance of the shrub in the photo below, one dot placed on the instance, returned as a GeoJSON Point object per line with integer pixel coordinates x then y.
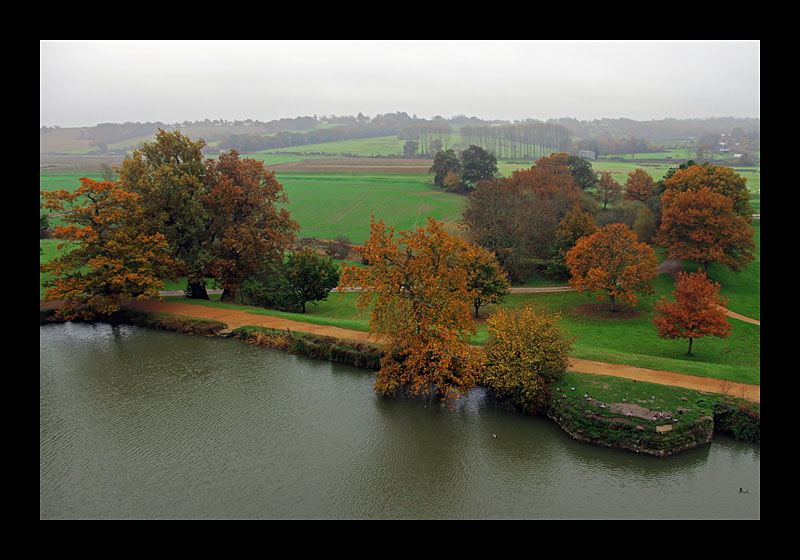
{"type": "Point", "coordinates": [740, 420]}
{"type": "Point", "coordinates": [269, 289]}
{"type": "Point", "coordinates": [524, 355]}
{"type": "Point", "coordinates": [311, 276]}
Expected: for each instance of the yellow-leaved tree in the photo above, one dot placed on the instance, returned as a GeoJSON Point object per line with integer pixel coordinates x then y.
{"type": "Point", "coordinates": [526, 353]}
{"type": "Point", "coordinates": [416, 287]}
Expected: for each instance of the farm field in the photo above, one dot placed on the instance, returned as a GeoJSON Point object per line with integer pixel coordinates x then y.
{"type": "Point", "coordinates": [328, 205]}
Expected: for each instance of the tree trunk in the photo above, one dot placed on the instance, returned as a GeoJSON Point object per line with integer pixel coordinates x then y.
{"type": "Point", "coordinates": [196, 290]}
{"type": "Point", "coordinates": [691, 339]}
{"type": "Point", "coordinates": [227, 295]}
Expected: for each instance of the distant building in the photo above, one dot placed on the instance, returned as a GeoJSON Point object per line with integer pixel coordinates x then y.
{"type": "Point", "coordinates": [586, 154]}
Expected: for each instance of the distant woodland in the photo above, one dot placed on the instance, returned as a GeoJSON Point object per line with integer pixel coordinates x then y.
{"type": "Point", "coordinates": [528, 138]}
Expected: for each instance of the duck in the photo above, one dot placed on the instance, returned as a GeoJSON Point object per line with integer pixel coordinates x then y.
{"type": "Point", "coordinates": [743, 490]}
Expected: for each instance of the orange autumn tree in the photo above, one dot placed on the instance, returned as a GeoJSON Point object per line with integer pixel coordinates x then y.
{"type": "Point", "coordinates": [550, 179]}
{"type": "Point", "coordinates": [108, 255]}
{"type": "Point", "coordinates": [698, 310]}
{"type": "Point", "coordinates": [639, 185]}
{"type": "Point", "coordinates": [246, 225]}
{"type": "Point", "coordinates": [416, 288]}
{"type": "Point", "coordinates": [608, 190]}
{"type": "Point", "coordinates": [717, 178]}
{"type": "Point", "coordinates": [704, 226]}
{"type": "Point", "coordinates": [612, 263]}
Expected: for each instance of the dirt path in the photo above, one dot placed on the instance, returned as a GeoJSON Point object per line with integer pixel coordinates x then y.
{"type": "Point", "coordinates": [237, 318]}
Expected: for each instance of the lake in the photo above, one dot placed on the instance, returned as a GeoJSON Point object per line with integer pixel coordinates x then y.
{"type": "Point", "coordinates": [144, 424]}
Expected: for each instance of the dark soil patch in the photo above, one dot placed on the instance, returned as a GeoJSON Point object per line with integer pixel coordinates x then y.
{"type": "Point", "coordinates": [603, 311]}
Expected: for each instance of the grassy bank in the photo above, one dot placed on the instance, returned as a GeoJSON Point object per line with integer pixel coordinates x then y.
{"type": "Point", "coordinates": [630, 339]}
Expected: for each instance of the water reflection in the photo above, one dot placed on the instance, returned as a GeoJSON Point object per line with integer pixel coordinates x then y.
{"type": "Point", "coordinates": [148, 424]}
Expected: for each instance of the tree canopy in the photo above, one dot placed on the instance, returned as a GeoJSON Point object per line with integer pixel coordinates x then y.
{"type": "Point", "coordinates": [613, 264]}
{"type": "Point", "coordinates": [311, 276]}
{"type": "Point", "coordinates": [246, 227]}
{"type": "Point", "coordinates": [718, 179]}
{"type": "Point", "coordinates": [444, 162]}
{"type": "Point", "coordinates": [415, 286]}
{"type": "Point", "coordinates": [702, 225]}
{"type": "Point", "coordinates": [698, 310]}
{"type": "Point", "coordinates": [111, 255]}
{"type": "Point", "coordinates": [477, 164]}
{"type": "Point", "coordinates": [525, 354]}
{"type": "Point", "coordinates": [640, 185]}
{"type": "Point", "coordinates": [517, 217]}
{"type": "Point", "coordinates": [168, 175]}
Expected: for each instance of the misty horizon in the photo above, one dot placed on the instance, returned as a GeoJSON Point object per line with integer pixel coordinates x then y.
{"type": "Point", "coordinates": [323, 117]}
{"type": "Point", "coordinates": [86, 83]}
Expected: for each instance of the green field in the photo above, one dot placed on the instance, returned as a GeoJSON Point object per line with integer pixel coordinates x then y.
{"type": "Point", "coordinates": [328, 205]}
{"type": "Point", "coordinates": [631, 341]}
{"type": "Point", "coordinates": [64, 179]}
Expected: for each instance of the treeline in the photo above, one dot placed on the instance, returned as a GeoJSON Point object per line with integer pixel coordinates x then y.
{"type": "Point", "coordinates": [248, 143]}
{"type": "Point", "coordinates": [352, 128]}
{"type": "Point", "coordinates": [661, 130]}
{"type": "Point", "coordinates": [528, 140]}
{"type": "Point", "coordinates": [430, 138]}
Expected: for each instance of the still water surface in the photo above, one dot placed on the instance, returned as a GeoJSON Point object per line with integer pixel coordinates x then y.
{"type": "Point", "coordinates": [143, 424]}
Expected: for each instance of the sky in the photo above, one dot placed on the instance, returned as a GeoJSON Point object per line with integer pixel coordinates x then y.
{"type": "Point", "coordinates": [84, 83]}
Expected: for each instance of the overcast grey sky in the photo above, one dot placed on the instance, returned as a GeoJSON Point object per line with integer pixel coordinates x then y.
{"type": "Point", "coordinates": [83, 83]}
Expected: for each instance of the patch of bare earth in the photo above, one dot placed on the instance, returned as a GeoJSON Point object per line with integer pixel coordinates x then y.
{"type": "Point", "coordinates": [604, 311]}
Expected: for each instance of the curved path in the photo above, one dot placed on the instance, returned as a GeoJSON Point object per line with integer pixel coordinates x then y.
{"type": "Point", "coordinates": [550, 289]}
{"type": "Point", "coordinates": [234, 318]}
